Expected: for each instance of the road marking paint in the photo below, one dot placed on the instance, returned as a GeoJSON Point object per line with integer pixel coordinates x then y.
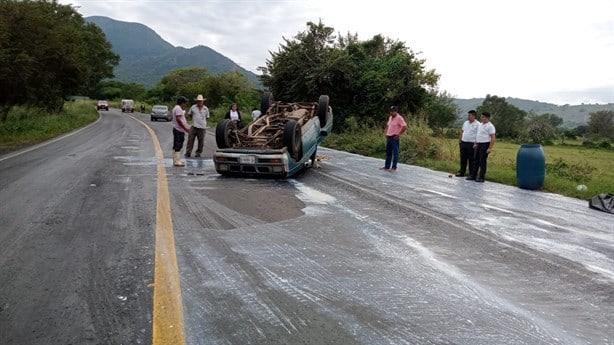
{"type": "Point", "coordinates": [167, 308]}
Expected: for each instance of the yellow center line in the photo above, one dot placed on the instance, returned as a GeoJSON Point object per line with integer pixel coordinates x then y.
{"type": "Point", "coordinates": [167, 306]}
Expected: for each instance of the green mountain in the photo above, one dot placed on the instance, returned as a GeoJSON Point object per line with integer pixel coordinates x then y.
{"type": "Point", "coordinates": [146, 57]}
{"type": "Point", "coordinates": [572, 115]}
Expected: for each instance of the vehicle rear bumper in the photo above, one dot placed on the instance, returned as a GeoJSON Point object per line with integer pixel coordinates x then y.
{"type": "Point", "coordinates": [252, 162]}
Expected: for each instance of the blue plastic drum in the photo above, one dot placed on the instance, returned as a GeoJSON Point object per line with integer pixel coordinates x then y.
{"type": "Point", "coordinates": [530, 166]}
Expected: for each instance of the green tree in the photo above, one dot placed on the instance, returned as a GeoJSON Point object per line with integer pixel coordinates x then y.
{"type": "Point", "coordinates": [362, 79]}
{"type": "Point", "coordinates": [47, 53]}
{"type": "Point", "coordinates": [601, 123]}
{"type": "Point", "coordinates": [508, 119]}
{"type": "Point", "coordinates": [552, 119]}
{"type": "Point", "coordinates": [222, 88]}
{"type": "Point", "coordinates": [440, 110]}
{"type": "Point", "coordinates": [539, 129]}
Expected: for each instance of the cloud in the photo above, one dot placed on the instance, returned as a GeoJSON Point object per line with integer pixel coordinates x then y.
{"type": "Point", "coordinates": [526, 49]}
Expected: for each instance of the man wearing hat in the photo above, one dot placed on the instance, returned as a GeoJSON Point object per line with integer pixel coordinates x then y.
{"type": "Point", "coordinates": [199, 113]}
{"type": "Point", "coordinates": [394, 128]}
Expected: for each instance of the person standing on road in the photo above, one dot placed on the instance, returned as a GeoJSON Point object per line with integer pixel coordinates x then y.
{"type": "Point", "coordinates": [394, 128]}
{"type": "Point", "coordinates": [465, 143]}
{"type": "Point", "coordinates": [200, 114]}
{"type": "Point", "coordinates": [234, 114]}
{"type": "Point", "coordinates": [180, 128]}
{"type": "Point", "coordinates": [255, 114]}
{"type": "Point", "coordinates": [484, 142]}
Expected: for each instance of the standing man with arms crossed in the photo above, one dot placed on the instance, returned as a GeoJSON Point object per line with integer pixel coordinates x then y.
{"type": "Point", "coordinates": [484, 142]}
{"type": "Point", "coordinates": [180, 128]}
{"type": "Point", "coordinates": [199, 113]}
{"type": "Point", "coordinates": [394, 128]}
{"type": "Point", "coordinates": [465, 143]}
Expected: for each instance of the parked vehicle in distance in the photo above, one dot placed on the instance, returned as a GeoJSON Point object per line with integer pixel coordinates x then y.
{"type": "Point", "coordinates": [160, 112]}
{"type": "Point", "coordinates": [280, 143]}
{"type": "Point", "coordinates": [127, 106]}
{"type": "Point", "coordinates": [102, 105]}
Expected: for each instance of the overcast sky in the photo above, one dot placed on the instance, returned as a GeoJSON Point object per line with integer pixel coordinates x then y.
{"type": "Point", "coordinates": [555, 51]}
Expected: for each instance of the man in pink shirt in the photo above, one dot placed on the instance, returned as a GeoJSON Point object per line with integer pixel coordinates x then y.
{"type": "Point", "coordinates": [180, 128]}
{"type": "Point", "coordinates": [395, 127]}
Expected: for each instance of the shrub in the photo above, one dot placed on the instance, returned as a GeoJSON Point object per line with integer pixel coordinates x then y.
{"type": "Point", "coordinates": [574, 172]}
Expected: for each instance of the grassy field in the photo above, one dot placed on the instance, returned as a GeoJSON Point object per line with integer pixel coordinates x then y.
{"type": "Point", "coordinates": [567, 166]}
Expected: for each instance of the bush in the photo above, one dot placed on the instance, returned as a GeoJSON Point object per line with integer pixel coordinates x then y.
{"type": "Point", "coordinates": [574, 172]}
{"type": "Point", "coordinates": [604, 144]}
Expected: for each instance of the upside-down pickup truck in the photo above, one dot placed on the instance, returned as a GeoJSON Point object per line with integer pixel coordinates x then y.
{"type": "Point", "coordinates": [279, 143]}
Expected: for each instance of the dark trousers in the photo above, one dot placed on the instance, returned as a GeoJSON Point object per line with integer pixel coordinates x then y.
{"type": "Point", "coordinates": [392, 152]}
{"type": "Point", "coordinates": [195, 133]}
{"type": "Point", "coordinates": [467, 156]}
{"type": "Point", "coordinates": [481, 156]}
{"type": "Point", "coordinates": [178, 138]}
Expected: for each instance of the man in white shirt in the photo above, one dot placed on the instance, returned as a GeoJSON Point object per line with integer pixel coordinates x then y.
{"type": "Point", "coordinates": [255, 114]}
{"type": "Point", "coordinates": [484, 142]}
{"type": "Point", "coordinates": [199, 113]}
{"type": "Point", "coordinates": [465, 143]}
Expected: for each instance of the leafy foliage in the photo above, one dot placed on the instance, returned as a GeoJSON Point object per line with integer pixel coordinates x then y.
{"type": "Point", "coordinates": [601, 123]}
{"type": "Point", "coordinates": [219, 89]}
{"type": "Point", "coordinates": [362, 79]}
{"type": "Point", "coordinates": [577, 172]}
{"type": "Point", "coordinates": [508, 119]}
{"type": "Point", "coordinates": [48, 52]}
{"type": "Point", "coordinates": [440, 111]}
{"type": "Point", "coordinates": [539, 130]}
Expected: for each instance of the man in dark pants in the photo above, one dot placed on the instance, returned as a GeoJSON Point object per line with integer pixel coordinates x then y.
{"type": "Point", "coordinates": [180, 128]}
{"type": "Point", "coordinates": [484, 142]}
{"type": "Point", "coordinates": [465, 143]}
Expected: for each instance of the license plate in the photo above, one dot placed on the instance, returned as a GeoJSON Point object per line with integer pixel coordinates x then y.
{"type": "Point", "coordinates": [247, 159]}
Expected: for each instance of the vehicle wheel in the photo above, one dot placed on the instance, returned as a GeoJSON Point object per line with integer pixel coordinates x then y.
{"type": "Point", "coordinates": [293, 140]}
{"type": "Point", "coordinates": [222, 133]}
{"type": "Point", "coordinates": [322, 110]}
{"type": "Point", "coordinates": [151, 118]}
{"type": "Point", "coordinates": [265, 102]}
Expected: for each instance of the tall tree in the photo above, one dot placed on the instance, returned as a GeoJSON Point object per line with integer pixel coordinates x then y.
{"type": "Point", "coordinates": [362, 79]}
{"type": "Point", "coordinates": [508, 119]}
{"type": "Point", "coordinates": [47, 53]}
{"type": "Point", "coordinates": [601, 123]}
{"type": "Point", "coordinates": [440, 110]}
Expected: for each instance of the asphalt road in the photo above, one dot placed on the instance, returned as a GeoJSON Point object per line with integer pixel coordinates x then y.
{"type": "Point", "coordinates": [343, 254]}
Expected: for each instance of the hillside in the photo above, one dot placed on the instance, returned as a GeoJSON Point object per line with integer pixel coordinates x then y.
{"type": "Point", "coordinates": [572, 115]}
{"type": "Point", "coordinates": [146, 57]}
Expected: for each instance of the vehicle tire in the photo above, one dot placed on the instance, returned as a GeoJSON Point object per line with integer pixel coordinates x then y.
{"type": "Point", "coordinates": [322, 110]}
{"type": "Point", "coordinates": [293, 140]}
{"type": "Point", "coordinates": [152, 119]}
{"type": "Point", "coordinates": [222, 133]}
{"type": "Point", "coordinates": [265, 102]}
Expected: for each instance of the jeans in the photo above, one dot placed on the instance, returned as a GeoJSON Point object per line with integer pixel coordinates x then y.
{"type": "Point", "coordinates": [392, 152]}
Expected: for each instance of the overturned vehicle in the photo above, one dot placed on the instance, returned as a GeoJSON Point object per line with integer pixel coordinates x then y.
{"type": "Point", "coordinates": [281, 142]}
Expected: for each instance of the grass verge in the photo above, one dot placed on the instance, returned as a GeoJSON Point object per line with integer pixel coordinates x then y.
{"type": "Point", "coordinates": [27, 126]}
